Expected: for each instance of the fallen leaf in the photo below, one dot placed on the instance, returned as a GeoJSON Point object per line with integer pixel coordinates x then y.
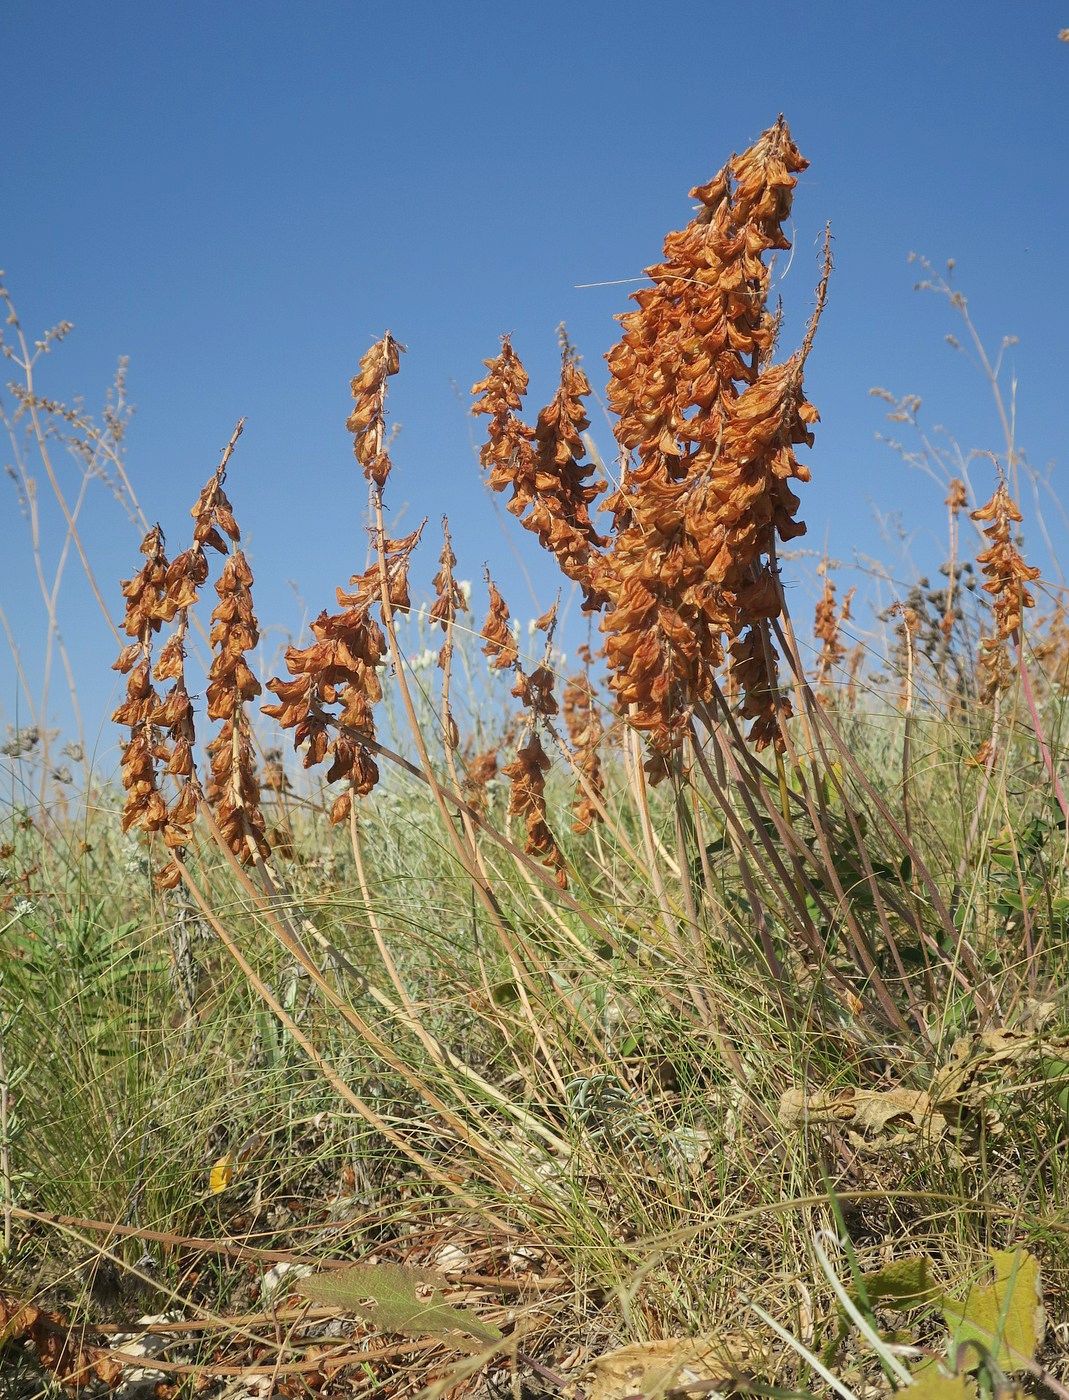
{"type": "Point", "coordinates": [650, 1368]}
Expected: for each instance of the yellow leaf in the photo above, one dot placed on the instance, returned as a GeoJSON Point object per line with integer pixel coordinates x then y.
{"type": "Point", "coordinates": [931, 1382]}
{"type": "Point", "coordinates": [222, 1174]}
{"type": "Point", "coordinates": [1004, 1317]}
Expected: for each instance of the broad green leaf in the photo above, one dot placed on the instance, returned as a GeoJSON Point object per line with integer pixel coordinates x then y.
{"type": "Point", "coordinates": [1004, 1316]}
{"type": "Point", "coordinates": [932, 1383]}
{"type": "Point", "coordinates": [1058, 1072]}
{"type": "Point", "coordinates": [907, 1282]}
{"type": "Point", "coordinates": [399, 1299]}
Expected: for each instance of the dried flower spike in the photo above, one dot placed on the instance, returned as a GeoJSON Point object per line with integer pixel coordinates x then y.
{"type": "Point", "coordinates": [367, 422]}
{"type": "Point", "coordinates": [499, 643]}
{"type": "Point", "coordinates": [1007, 576]}
{"type": "Point", "coordinates": [329, 700]}
{"type": "Point", "coordinates": [549, 481]}
{"type": "Point", "coordinates": [711, 427]}
{"type": "Point", "coordinates": [234, 790]}
{"type": "Point", "coordinates": [527, 799]}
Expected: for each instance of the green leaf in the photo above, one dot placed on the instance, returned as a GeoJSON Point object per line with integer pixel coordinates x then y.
{"type": "Point", "coordinates": [1004, 1317]}
{"type": "Point", "coordinates": [399, 1299]}
{"type": "Point", "coordinates": [907, 1282]}
{"type": "Point", "coordinates": [932, 1383]}
{"type": "Point", "coordinates": [1058, 1072]}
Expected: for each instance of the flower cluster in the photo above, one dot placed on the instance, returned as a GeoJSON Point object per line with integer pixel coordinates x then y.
{"type": "Point", "coordinates": [711, 427]}
{"type": "Point", "coordinates": [1007, 578]}
{"type": "Point", "coordinates": [499, 642]}
{"type": "Point", "coordinates": [329, 700]}
{"type": "Point", "coordinates": [367, 422]}
{"type": "Point", "coordinates": [550, 482]}
{"type": "Point", "coordinates": [147, 606]}
{"type": "Point", "coordinates": [234, 789]}
{"type": "Point", "coordinates": [534, 690]}
{"type": "Point", "coordinates": [527, 799]}
{"type": "Point", "coordinates": [163, 727]}
{"type": "Point", "coordinates": [334, 685]}
{"type": "Point", "coordinates": [449, 598]}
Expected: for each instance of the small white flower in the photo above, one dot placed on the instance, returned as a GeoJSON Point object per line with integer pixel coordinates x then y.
{"type": "Point", "coordinates": [464, 585]}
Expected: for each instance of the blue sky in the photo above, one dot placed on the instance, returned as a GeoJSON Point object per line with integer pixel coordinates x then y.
{"type": "Point", "coordinates": [241, 197]}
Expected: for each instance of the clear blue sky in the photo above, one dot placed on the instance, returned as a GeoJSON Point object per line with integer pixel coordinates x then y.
{"type": "Point", "coordinates": [241, 196]}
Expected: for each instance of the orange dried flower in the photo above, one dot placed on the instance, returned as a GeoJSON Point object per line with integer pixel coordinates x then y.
{"type": "Point", "coordinates": [827, 626]}
{"type": "Point", "coordinates": [762, 702]}
{"type": "Point", "coordinates": [499, 642]}
{"type": "Point", "coordinates": [234, 789]}
{"type": "Point", "coordinates": [508, 453]}
{"type": "Point", "coordinates": [335, 685]}
{"type": "Point", "coordinates": [956, 499]}
{"type": "Point", "coordinates": [527, 799]}
{"type": "Point", "coordinates": [1002, 564]}
{"type": "Point", "coordinates": [535, 691]}
{"type": "Point", "coordinates": [1007, 576]}
{"type": "Point", "coordinates": [480, 772]}
{"type": "Point", "coordinates": [146, 609]}
{"type": "Point", "coordinates": [165, 592]}
{"type": "Point", "coordinates": [367, 422]}
{"type": "Point", "coordinates": [711, 427]}
{"type": "Point", "coordinates": [448, 597]}
{"type": "Point", "coordinates": [551, 490]}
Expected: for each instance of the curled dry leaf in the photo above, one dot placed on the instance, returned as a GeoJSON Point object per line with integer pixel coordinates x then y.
{"type": "Point", "coordinates": [60, 1347]}
{"type": "Point", "coordinates": [676, 1364]}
